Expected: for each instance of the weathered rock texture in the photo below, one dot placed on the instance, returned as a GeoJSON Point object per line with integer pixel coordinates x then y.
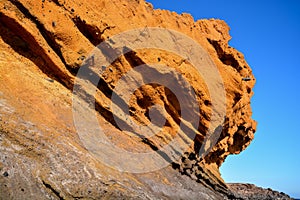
{"type": "Point", "coordinates": [250, 191]}
{"type": "Point", "coordinates": [43, 43]}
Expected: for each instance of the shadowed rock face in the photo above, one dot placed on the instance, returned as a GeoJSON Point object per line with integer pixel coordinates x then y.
{"type": "Point", "coordinates": [44, 43]}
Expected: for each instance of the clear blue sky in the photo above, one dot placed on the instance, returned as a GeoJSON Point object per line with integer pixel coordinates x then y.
{"type": "Point", "coordinates": [268, 33]}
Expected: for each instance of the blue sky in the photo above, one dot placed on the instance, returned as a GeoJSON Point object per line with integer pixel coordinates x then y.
{"type": "Point", "coordinates": [268, 34]}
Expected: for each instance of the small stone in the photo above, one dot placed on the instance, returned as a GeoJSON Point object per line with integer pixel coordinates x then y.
{"type": "Point", "coordinates": [54, 24]}
{"type": "Point", "coordinates": [197, 172]}
{"type": "Point", "coordinates": [5, 174]}
{"type": "Point", "coordinates": [188, 172]}
{"type": "Point", "coordinates": [188, 164]}
{"type": "Point", "coordinates": [81, 51]}
{"type": "Point", "coordinates": [195, 168]}
{"type": "Point", "coordinates": [50, 80]}
{"type": "Point", "coordinates": [194, 177]}
{"type": "Point", "coordinates": [82, 57]}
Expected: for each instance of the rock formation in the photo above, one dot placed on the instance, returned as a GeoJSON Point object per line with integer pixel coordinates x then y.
{"type": "Point", "coordinates": [250, 191]}
{"type": "Point", "coordinates": [43, 46]}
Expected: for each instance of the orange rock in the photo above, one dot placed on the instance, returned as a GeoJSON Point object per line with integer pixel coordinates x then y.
{"type": "Point", "coordinates": [43, 45]}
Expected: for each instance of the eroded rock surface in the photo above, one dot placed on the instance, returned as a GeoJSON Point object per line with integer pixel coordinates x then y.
{"type": "Point", "coordinates": [250, 191]}
{"type": "Point", "coordinates": [44, 43]}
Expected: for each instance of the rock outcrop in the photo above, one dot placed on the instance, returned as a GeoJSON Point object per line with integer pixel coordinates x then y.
{"type": "Point", "coordinates": [43, 46]}
{"type": "Point", "coordinates": [250, 191]}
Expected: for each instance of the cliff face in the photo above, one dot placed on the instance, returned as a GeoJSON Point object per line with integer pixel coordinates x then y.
{"type": "Point", "coordinates": [43, 46]}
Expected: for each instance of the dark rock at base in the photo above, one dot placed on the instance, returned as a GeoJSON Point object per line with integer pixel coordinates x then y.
{"type": "Point", "coordinates": [250, 191]}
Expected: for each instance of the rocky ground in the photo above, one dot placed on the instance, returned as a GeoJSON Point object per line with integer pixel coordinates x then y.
{"type": "Point", "coordinates": [250, 191]}
{"type": "Point", "coordinates": [44, 44]}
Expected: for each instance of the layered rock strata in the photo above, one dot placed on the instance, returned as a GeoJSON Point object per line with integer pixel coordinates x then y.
{"type": "Point", "coordinates": [44, 44]}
